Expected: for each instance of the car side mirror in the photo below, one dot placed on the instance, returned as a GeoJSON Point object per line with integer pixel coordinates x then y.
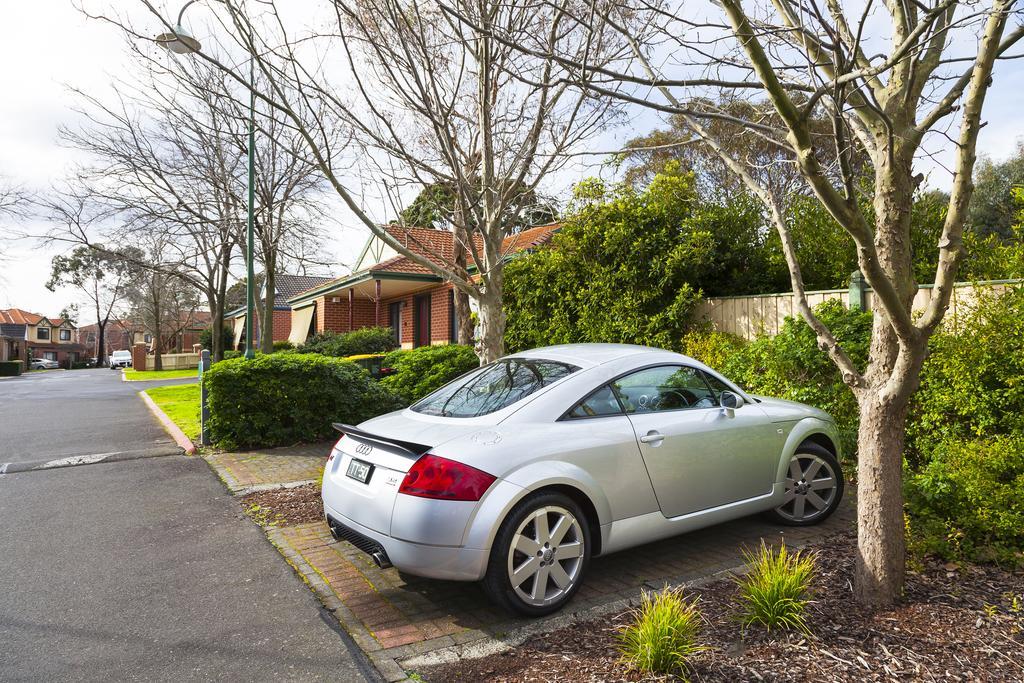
{"type": "Point", "coordinates": [730, 402]}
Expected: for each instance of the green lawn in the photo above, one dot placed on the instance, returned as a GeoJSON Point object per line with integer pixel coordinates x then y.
{"type": "Point", "coordinates": [135, 376]}
{"type": "Point", "coordinates": [181, 403]}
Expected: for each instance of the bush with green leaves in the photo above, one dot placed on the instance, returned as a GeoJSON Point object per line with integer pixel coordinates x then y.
{"type": "Point", "coordinates": [232, 353]}
{"type": "Point", "coordinates": [776, 588]}
{"type": "Point", "coordinates": [791, 366]}
{"type": "Point", "coordinates": [711, 347]}
{"type": "Point", "coordinates": [10, 368]}
{"type": "Point", "coordinates": [420, 371]}
{"type": "Point", "coordinates": [972, 383]}
{"type": "Point", "coordinates": [967, 502]}
{"type": "Point", "coordinates": [361, 341]}
{"type": "Point", "coordinates": [663, 635]}
{"type": "Point", "coordinates": [282, 399]}
{"type": "Point", "coordinates": [283, 345]}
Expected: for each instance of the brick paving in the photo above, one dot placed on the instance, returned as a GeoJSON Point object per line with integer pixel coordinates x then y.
{"type": "Point", "coordinates": [253, 471]}
{"type": "Point", "coordinates": [399, 620]}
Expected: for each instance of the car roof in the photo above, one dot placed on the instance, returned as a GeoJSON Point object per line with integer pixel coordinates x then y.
{"type": "Point", "coordinates": [586, 355]}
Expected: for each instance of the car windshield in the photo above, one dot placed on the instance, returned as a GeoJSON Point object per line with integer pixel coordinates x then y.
{"type": "Point", "coordinates": [493, 387]}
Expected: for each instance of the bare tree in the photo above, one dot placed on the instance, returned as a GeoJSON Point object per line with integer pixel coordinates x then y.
{"type": "Point", "coordinates": [886, 83]}
{"type": "Point", "coordinates": [429, 99]}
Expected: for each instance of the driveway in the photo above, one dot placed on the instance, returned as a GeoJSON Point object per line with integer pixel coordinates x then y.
{"type": "Point", "coordinates": [142, 568]}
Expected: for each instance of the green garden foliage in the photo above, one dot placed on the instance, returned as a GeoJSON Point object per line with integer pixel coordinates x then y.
{"type": "Point", "coordinates": [10, 368]}
{"type": "Point", "coordinates": [791, 366]}
{"type": "Point", "coordinates": [776, 588]}
{"type": "Point", "coordinates": [968, 501]}
{"type": "Point", "coordinates": [420, 371]}
{"type": "Point", "coordinates": [283, 345]}
{"type": "Point", "coordinates": [206, 338]}
{"type": "Point", "coordinates": [663, 635]}
{"type": "Point", "coordinates": [628, 265]}
{"type": "Point", "coordinates": [972, 383]}
{"type": "Point", "coordinates": [282, 399]}
{"type": "Point", "coordinates": [357, 342]}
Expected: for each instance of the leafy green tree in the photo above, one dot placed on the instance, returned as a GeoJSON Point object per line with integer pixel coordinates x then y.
{"type": "Point", "coordinates": [106, 280]}
{"type": "Point", "coordinates": [993, 209]}
{"type": "Point", "coordinates": [630, 266]}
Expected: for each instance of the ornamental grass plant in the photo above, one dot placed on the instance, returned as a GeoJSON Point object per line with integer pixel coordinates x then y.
{"type": "Point", "coordinates": [776, 589]}
{"type": "Point", "coordinates": [664, 633]}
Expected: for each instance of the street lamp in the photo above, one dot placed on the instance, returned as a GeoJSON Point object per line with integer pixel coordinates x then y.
{"type": "Point", "coordinates": [181, 42]}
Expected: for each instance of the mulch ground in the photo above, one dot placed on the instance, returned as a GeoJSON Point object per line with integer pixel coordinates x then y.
{"type": "Point", "coordinates": [956, 623]}
{"type": "Point", "coordinates": [285, 507]}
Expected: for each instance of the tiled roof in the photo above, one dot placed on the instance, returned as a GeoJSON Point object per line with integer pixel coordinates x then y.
{"type": "Point", "coordinates": [440, 243]}
{"type": "Point", "coordinates": [289, 286]}
{"type": "Point", "coordinates": [19, 317]}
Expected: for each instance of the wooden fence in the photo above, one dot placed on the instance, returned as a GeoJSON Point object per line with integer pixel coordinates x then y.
{"type": "Point", "coordinates": [749, 316]}
{"type": "Point", "coordinates": [178, 361]}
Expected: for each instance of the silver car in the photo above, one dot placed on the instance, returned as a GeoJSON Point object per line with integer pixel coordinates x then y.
{"type": "Point", "coordinates": [519, 472]}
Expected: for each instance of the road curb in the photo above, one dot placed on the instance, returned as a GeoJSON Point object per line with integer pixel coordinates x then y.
{"type": "Point", "coordinates": [90, 459]}
{"type": "Point", "coordinates": [169, 426]}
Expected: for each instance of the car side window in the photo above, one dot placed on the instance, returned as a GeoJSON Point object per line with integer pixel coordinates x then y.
{"type": "Point", "coordinates": [600, 403]}
{"type": "Point", "coordinates": [717, 386]}
{"type": "Point", "coordinates": [663, 388]}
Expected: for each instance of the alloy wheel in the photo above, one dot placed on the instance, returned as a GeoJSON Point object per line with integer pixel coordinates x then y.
{"type": "Point", "coordinates": [546, 555]}
{"type": "Point", "coordinates": [811, 488]}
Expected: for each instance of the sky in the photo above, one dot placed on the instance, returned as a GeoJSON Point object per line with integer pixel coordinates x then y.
{"type": "Point", "coordinates": [48, 44]}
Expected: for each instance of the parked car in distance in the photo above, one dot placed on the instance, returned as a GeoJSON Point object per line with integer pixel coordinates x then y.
{"type": "Point", "coordinates": [120, 359]}
{"type": "Point", "coordinates": [518, 473]}
{"type": "Point", "coordinates": [43, 364]}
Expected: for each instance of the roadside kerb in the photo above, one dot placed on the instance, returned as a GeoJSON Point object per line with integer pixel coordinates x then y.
{"type": "Point", "coordinates": [87, 459]}
{"type": "Point", "coordinates": [169, 426]}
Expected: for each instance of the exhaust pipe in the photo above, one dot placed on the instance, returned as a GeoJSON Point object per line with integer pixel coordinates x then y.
{"type": "Point", "coordinates": [381, 559]}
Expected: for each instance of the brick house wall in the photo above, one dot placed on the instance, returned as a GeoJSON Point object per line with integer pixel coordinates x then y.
{"type": "Point", "coordinates": [282, 325]}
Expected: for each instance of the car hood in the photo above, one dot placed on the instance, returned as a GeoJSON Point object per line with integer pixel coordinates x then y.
{"type": "Point", "coordinates": [781, 410]}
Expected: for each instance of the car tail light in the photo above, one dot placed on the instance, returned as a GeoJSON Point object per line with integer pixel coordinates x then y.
{"type": "Point", "coordinates": [435, 477]}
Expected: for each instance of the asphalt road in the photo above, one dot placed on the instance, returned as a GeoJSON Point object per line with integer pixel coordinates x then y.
{"type": "Point", "coordinates": [60, 413]}
{"type": "Point", "coordinates": [143, 569]}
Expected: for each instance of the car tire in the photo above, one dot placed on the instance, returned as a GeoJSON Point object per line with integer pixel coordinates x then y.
{"type": "Point", "coordinates": [810, 502]}
{"type": "Point", "coordinates": [524, 549]}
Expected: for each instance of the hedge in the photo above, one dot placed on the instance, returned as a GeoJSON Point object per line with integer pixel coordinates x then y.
{"type": "Point", "coordinates": [282, 399]}
{"type": "Point", "coordinates": [10, 368]}
{"type": "Point", "coordinates": [423, 370]}
{"type": "Point", "coordinates": [361, 341]}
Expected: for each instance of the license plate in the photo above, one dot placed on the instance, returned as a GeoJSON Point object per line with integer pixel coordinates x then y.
{"type": "Point", "coordinates": [359, 470]}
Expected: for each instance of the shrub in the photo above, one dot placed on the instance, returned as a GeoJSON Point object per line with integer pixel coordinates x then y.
{"type": "Point", "coordinates": [714, 349]}
{"type": "Point", "coordinates": [968, 501]}
{"type": "Point", "coordinates": [283, 345]}
{"type": "Point", "coordinates": [364, 340]}
{"type": "Point", "coordinates": [10, 368]}
{"type": "Point", "coordinates": [776, 589]}
{"type": "Point", "coordinates": [664, 633]}
{"type": "Point", "coordinates": [791, 366]}
{"type": "Point", "coordinates": [972, 383]}
{"type": "Point", "coordinates": [281, 399]}
{"type": "Point", "coordinates": [420, 371]}
{"type": "Point", "coordinates": [232, 353]}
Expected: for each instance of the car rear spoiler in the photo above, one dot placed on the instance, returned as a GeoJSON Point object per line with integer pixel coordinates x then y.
{"type": "Point", "coordinates": [414, 449]}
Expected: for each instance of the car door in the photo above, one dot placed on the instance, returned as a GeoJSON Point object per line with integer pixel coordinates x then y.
{"type": "Point", "coordinates": [698, 454]}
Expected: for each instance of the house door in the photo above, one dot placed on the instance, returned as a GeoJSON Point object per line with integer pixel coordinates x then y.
{"type": "Point", "coordinates": [421, 320]}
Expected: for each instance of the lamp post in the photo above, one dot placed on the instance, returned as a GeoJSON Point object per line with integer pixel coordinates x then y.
{"type": "Point", "coordinates": [181, 42]}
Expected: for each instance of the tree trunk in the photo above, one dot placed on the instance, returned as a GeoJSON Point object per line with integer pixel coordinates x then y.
{"type": "Point", "coordinates": [158, 362]}
{"type": "Point", "coordinates": [464, 328]}
{"type": "Point", "coordinates": [267, 321]}
{"type": "Point", "coordinates": [464, 318]}
{"type": "Point", "coordinates": [101, 347]}
{"type": "Point", "coordinates": [882, 548]}
{"type": "Point", "coordinates": [490, 346]}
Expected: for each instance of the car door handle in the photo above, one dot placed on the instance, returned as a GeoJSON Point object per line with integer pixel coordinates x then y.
{"type": "Point", "coordinates": [652, 437]}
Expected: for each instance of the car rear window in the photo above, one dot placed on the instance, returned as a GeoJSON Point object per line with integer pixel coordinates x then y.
{"type": "Point", "coordinates": [493, 387]}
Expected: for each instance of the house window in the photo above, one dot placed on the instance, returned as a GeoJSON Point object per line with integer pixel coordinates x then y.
{"type": "Point", "coordinates": [147, 338]}
{"type": "Point", "coordinates": [92, 338]}
{"type": "Point", "coordinates": [453, 324]}
{"type": "Point", "coordinates": [42, 333]}
{"type": "Point", "coordinates": [421, 320]}
{"type": "Point", "coordinates": [65, 335]}
{"type": "Point", "coordinates": [395, 321]}
{"type": "Point", "coordinates": [50, 355]}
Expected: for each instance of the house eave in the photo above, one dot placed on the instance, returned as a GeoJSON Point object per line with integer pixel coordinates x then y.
{"type": "Point", "coordinates": [359, 278]}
